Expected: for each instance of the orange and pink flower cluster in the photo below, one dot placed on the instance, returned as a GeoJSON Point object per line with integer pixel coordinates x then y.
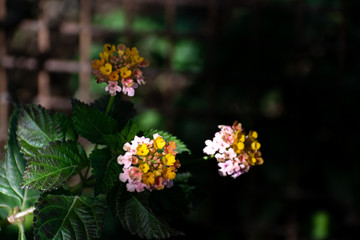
{"type": "Point", "coordinates": [119, 67]}
{"type": "Point", "coordinates": [148, 164]}
{"type": "Point", "coordinates": [235, 151]}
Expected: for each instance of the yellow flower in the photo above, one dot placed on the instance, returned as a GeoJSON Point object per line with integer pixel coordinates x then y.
{"type": "Point", "coordinates": [238, 146]}
{"type": "Point", "coordinates": [104, 55]}
{"type": "Point", "coordinates": [255, 145]}
{"type": "Point", "coordinates": [169, 159]}
{"type": "Point", "coordinates": [148, 178]}
{"type": "Point", "coordinates": [159, 143]}
{"type": "Point", "coordinates": [114, 76]}
{"type": "Point", "coordinates": [253, 134]}
{"type": "Point", "coordinates": [168, 173]}
{"type": "Point", "coordinates": [136, 59]}
{"type": "Point", "coordinates": [240, 136]}
{"type": "Point", "coordinates": [106, 70]}
{"type": "Point", "coordinates": [110, 49]}
{"type": "Point", "coordinates": [142, 150]}
{"type": "Point", "coordinates": [124, 72]}
{"type": "Point", "coordinates": [97, 63]}
{"type": "Point", "coordinates": [131, 52]}
{"type": "Point", "coordinates": [144, 167]}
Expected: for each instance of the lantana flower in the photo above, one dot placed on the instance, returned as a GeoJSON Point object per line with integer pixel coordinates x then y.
{"type": "Point", "coordinates": [119, 67]}
{"type": "Point", "coordinates": [148, 164]}
{"type": "Point", "coordinates": [235, 151]}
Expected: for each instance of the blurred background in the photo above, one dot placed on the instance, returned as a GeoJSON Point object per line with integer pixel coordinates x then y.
{"type": "Point", "coordinates": [288, 69]}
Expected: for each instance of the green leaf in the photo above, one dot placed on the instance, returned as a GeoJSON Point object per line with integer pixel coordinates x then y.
{"type": "Point", "coordinates": [11, 171]}
{"type": "Point", "coordinates": [105, 169]}
{"type": "Point", "coordinates": [127, 134]}
{"type": "Point", "coordinates": [68, 217]}
{"type": "Point", "coordinates": [122, 111]}
{"type": "Point", "coordinates": [68, 130]}
{"type": "Point", "coordinates": [36, 129]}
{"type": "Point", "coordinates": [136, 216]}
{"type": "Point", "coordinates": [53, 165]}
{"type": "Point", "coordinates": [91, 123]}
{"type": "Point", "coordinates": [181, 147]}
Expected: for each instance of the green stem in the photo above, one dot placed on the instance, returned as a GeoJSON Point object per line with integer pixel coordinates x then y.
{"type": "Point", "coordinates": [112, 98]}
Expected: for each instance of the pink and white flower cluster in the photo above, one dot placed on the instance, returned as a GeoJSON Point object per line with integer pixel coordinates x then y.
{"type": "Point", "coordinates": [235, 151]}
{"type": "Point", "coordinates": [148, 164]}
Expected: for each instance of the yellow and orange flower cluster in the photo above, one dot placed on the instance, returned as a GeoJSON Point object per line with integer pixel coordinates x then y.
{"type": "Point", "coordinates": [119, 67]}
{"type": "Point", "coordinates": [235, 151]}
{"type": "Point", "coordinates": [148, 164]}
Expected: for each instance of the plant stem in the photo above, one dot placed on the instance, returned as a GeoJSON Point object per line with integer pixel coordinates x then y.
{"type": "Point", "coordinates": [13, 218]}
{"type": "Point", "coordinates": [112, 98]}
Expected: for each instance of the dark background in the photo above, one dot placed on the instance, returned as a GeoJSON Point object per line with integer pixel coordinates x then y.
{"type": "Point", "coordinates": [285, 68]}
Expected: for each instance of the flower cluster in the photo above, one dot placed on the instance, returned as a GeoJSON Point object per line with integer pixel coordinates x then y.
{"type": "Point", "coordinates": [119, 65]}
{"type": "Point", "coordinates": [148, 164]}
{"type": "Point", "coordinates": [235, 151]}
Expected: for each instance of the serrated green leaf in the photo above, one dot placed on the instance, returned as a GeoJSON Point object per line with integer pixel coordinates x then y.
{"type": "Point", "coordinates": [127, 134]}
{"type": "Point", "coordinates": [53, 165]}
{"type": "Point", "coordinates": [136, 216]}
{"type": "Point", "coordinates": [68, 217]}
{"type": "Point", "coordinates": [11, 171]}
{"type": "Point", "coordinates": [122, 111]}
{"type": "Point", "coordinates": [181, 147]}
{"type": "Point", "coordinates": [68, 130]}
{"type": "Point", "coordinates": [36, 129]}
{"type": "Point", "coordinates": [91, 123]}
{"type": "Point", "coordinates": [105, 169]}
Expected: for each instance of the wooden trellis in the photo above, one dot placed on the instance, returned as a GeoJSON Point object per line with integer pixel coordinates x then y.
{"type": "Point", "coordinates": [85, 32]}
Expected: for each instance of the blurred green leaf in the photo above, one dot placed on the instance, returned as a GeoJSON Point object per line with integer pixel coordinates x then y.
{"type": "Point", "coordinates": [320, 225]}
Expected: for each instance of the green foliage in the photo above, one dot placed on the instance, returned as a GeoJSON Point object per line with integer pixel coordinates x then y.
{"type": "Point", "coordinates": [42, 154]}
{"type": "Point", "coordinates": [122, 111]}
{"type": "Point", "coordinates": [68, 217]}
{"type": "Point", "coordinates": [105, 169]}
{"type": "Point", "coordinates": [53, 165]}
{"type": "Point", "coordinates": [91, 123]}
{"type": "Point", "coordinates": [11, 171]}
{"type": "Point", "coordinates": [181, 147]}
{"type": "Point", "coordinates": [135, 215]}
